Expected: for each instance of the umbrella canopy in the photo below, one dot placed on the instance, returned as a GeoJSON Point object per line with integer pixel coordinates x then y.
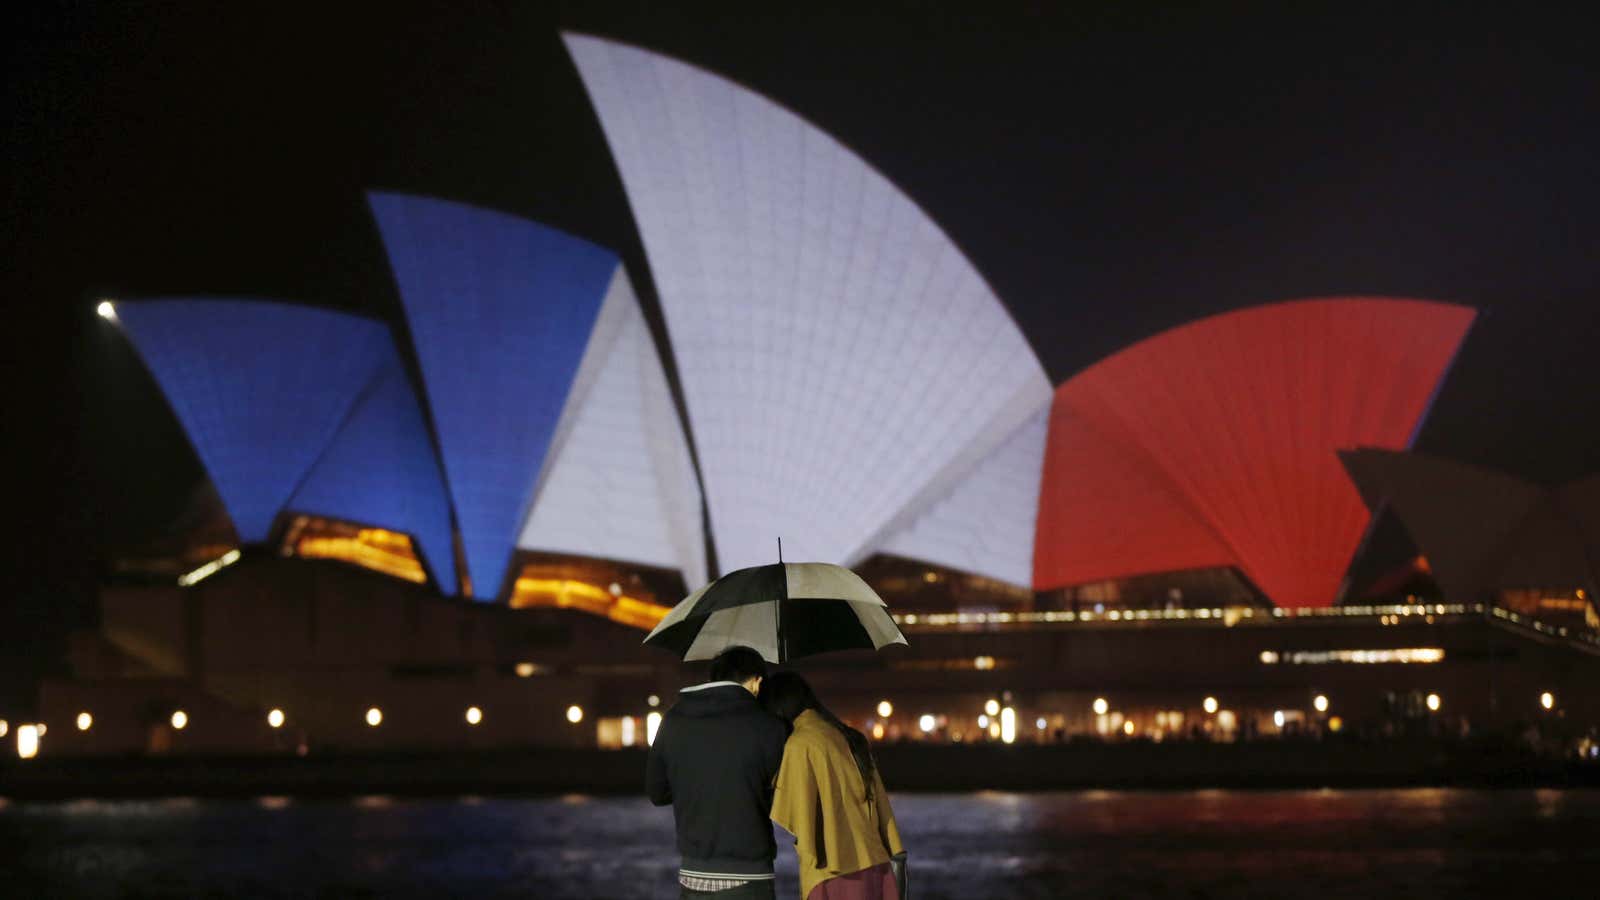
{"type": "Point", "coordinates": [783, 611]}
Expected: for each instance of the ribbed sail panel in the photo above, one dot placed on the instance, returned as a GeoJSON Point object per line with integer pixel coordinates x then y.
{"type": "Point", "coordinates": [986, 523]}
{"type": "Point", "coordinates": [259, 387]}
{"type": "Point", "coordinates": [1106, 511]}
{"type": "Point", "coordinates": [838, 354]}
{"type": "Point", "coordinates": [381, 469]}
{"type": "Point", "coordinates": [500, 310]}
{"type": "Point", "coordinates": [620, 483]}
{"type": "Point", "coordinates": [1241, 414]}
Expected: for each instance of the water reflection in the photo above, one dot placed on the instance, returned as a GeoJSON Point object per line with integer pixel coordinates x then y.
{"type": "Point", "coordinates": [1414, 843]}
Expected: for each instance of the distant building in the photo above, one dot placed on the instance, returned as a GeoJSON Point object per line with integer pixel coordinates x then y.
{"type": "Point", "coordinates": [1161, 548]}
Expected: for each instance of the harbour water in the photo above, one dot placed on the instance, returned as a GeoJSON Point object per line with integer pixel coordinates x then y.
{"type": "Point", "coordinates": [1426, 842]}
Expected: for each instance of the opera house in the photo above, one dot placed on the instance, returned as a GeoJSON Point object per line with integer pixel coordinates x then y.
{"type": "Point", "coordinates": [455, 530]}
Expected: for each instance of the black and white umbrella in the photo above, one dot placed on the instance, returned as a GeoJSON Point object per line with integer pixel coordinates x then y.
{"type": "Point", "coordinates": [783, 611]}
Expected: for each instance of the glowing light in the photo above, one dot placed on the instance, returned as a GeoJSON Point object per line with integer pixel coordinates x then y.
{"type": "Point", "coordinates": [615, 589]}
{"type": "Point", "coordinates": [525, 669]}
{"type": "Point", "coordinates": [629, 731]}
{"type": "Point", "coordinates": [1210, 705]}
{"type": "Point", "coordinates": [5, 728]}
{"type": "Point", "coordinates": [885, 709]}
{"type": "Point", "coordinates": [27, 741]}
{"type": "Point", "coordinates": [992, 707]}
{"type": "Point", "coordinates": [994, 729]}
{"type": "Point", "coordinates": [574, 714]}
{"type": "Point", "coordinates": [1008, 725]}
{"type": "Point", "coordinates": [1278, 718]}
{"type": "Point", "coordinates": [1433, 702]}
{"type": "Point", "coordinates": [42, 729]}
{"type": "Point", "coordinates": [984, 663]}
{"type": "Point", "coordinates": [275, 718]}
{"type": "Point", "coordinates": [1335, 724]}
{"type": "Point", "coordinates": [475, 715]}
{"type": "Point", "coordinates": [374, 717]}
{"type": "Point", "coordinates": [877, 731]}
{"type": "Point", "coordinates": [983, 721]}
{"type": "Point", "coordinates": [1268, 657]}
{"type": "Point", "coordinates": [926, 723]}
{"type": "Point", "coordinates": [1101, 706]}
{"type": "Point", "coordinates": [85, 721]}
{"type": "Point", "coordinates": [1127, 728]}
{"type": "Point", "coordinates": [652, 724]}
{"type": "Point", "coordinates": [179, 720]}
{"type": "Point", "coordinates": [652, 701]}
{"type": "Point", "coordinates": [1547, 700]}
{"type": "Point", "coordinates": [1040, 723]}
{"type": "Point", "coordinates": [190, 579]}
{"type": "Point", "coordinates": [106, 310]}
{"type": "Point", "coordinates": [1320, 702]}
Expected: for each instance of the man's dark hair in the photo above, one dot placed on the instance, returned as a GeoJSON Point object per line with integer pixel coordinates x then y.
{"type": "Point", "coordinates": [738, 664]}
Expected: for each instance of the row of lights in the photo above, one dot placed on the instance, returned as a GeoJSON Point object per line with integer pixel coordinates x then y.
{"type": "Point", "coordinates": [179, 720]}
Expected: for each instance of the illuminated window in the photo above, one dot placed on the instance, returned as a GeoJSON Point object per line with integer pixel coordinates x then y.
{"type": "Point", "coordinates": [389, 552]}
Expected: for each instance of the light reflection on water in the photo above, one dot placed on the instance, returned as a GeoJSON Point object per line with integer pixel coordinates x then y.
{"type": "Point", "coordinates": [1413, 843]}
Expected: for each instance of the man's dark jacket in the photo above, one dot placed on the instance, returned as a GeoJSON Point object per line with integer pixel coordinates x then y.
{"type": "Point", "coordinates": [714, 759]}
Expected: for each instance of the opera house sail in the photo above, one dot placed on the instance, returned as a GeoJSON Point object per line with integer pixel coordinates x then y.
{"type": "Point", "coordinates": [1214, 443]}
{"type": "Point", "coordinates": [844, 365]}
{"type": "Point", "coordinates": [292, 408]}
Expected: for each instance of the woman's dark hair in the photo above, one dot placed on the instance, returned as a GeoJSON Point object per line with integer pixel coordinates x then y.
{"type": "Point", "coordinates": [787, 695]}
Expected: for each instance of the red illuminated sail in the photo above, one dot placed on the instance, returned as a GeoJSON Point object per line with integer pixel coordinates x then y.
{"type": "Point", "coordinates": [1214, 443]}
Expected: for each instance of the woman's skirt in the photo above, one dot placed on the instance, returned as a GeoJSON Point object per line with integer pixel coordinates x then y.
{"type": "Point", "coordinates": [876, 883]}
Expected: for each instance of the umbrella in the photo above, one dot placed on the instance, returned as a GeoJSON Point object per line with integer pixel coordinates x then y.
{"type": "Point", "coordinates": [783, 611]}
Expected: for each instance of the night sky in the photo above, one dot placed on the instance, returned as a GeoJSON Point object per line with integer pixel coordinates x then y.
{"type": "Point", "coordinates": [1112, 174]}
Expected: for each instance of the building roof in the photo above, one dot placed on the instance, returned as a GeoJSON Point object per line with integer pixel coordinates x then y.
{"type": "Point", "coordinates": [1482, 530]}
{"type": "Point", "coordinates": [500, 311]}
{"type": "Point", "coordinates": [1214, 443]}
{"type": "Point", "coordinates": [843, 363]}
{"type": "Point", "coordinates": [291, 407]}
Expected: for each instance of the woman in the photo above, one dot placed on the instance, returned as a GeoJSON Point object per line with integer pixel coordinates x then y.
{"type": "Point", "coordinates": [829, 796]}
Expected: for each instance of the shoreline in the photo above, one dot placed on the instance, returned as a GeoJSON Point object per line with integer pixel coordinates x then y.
{"type": "Point", "coordinates": [906, 768]}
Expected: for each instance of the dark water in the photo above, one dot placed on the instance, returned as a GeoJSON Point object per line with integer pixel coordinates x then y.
{"type": "Point", "coordinates": [1384, 843]}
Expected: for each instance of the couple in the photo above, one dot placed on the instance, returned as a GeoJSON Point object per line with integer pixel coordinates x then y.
{"type": "Point", "coordinates": [745, 746]}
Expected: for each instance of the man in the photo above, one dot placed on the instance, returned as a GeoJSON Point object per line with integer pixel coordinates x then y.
{"type": "Point", "coordinates": [714, 759]}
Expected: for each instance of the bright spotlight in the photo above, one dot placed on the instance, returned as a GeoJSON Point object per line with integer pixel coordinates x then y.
{"type": "Point", "coordinates": [1547, 700]}
{"type": "Point", "coordinates": [85, 721]}
{"type": "Point", "coordinates": [275, 718]}
{"type": "Point", "coordinates": [1101, 706]}
{"type": "Point", "coordinates": [574, 714]}
{"type": "Point", "coordinates": [1433, 702]}
{"type": "Point", "coordinates": [1320, 702]}
{"type": "Point", "coordinates": [179, 720]}
{"type": "Point", "coordinates": [374, 717]}
{"type": "Point", "coordinates": [1210, 705]}
{"type": "Point", "coordinates": [107, 310]}
{"type": "Point", "coordinates": [992, 707]}
{"type": "Point", "coordinates": [27, 741]}
{"type": "Point", "coordinates": [926, 723]}
{"type": "Point", "coordinates": [885, 709]}
{"type": "Point", "coordinates": [474, 715]}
